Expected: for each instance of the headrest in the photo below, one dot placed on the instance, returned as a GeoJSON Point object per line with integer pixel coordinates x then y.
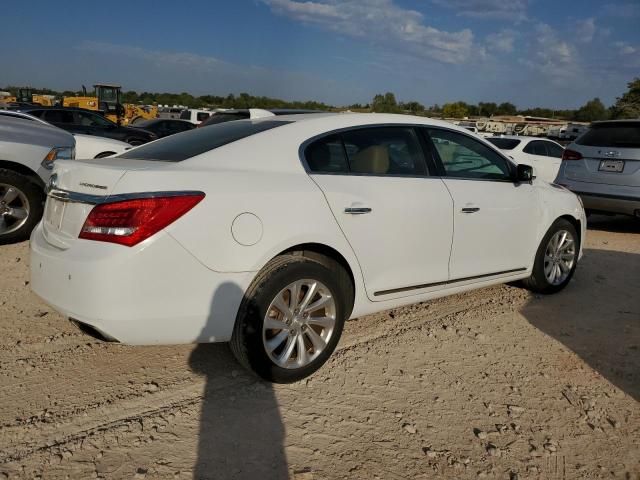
{"type": "Point", "coordinates": [373, 159]}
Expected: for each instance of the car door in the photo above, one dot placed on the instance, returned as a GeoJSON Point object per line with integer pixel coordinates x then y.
{"type": "Point", "coordinates": [554, 152]}
{"type": "Point", "coordinates": [94, 124]}
{"type": "Point", "coordinates": [495, 219]}
{"type": "Point", "coordinates": [537, 155]}
{"type": "Point", "coordinates": [397, 218]}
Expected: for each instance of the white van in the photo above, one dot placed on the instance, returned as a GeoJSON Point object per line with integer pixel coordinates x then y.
{"type": "Point", "coordinates": [195, 116]}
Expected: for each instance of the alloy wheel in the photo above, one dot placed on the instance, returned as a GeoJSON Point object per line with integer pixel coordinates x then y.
{"type": "Point", "coordinates": [14, 209]}
{"type": "Point", "coordinates": [559, 257]}
{"type": "Point", "coordinates": [299, 323]}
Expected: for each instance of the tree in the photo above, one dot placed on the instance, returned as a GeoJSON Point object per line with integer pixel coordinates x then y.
{"type": "Point", "coordinates": [455, 110]}
{"type": "Point", "coordinates": [592, 110]}
{"type": "Point", "coordinates": [413, 107]}
{"type": "Point", "coordinates": [628, 105]}
{"type": "Point", "coordinates": [506, 108]}
{"type": "Point", "coordinates": [385, 103]}
{"type": "Point", "coordinates": [487, 109]}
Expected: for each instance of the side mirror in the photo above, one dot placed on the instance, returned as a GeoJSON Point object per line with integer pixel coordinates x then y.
{"type": "Point", "coordinates": [524, 173]}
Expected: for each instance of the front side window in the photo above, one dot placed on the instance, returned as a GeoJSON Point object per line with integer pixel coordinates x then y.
{"type": "Point", "coordinates": [536, 147]}
{"type": "Point", "coordinates": [465, 157]}
{"type": "Point", "coordinates": [91, 120]}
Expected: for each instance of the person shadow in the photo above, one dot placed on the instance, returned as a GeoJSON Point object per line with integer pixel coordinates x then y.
{"type": "Point", "coordinates": [241, 434]}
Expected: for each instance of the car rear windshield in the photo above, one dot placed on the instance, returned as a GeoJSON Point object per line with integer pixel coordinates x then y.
{"type": "Point", "coordinates": [176, 148]}
{"type": "Point", "coordinates": [613, 134]}
{"type": "Point", "coordinates": [504, 143]}
{"type": "Point", "coordinates": [225, 117]}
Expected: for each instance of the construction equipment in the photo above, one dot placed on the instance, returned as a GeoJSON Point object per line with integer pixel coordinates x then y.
{"type": "Point", "coordinates": [26, 95]}
{"type": "Point", "coordinates": [107, 98]}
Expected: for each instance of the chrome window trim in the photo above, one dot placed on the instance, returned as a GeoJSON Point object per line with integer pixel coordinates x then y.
{"type": "Point", "coordinates": [77, 197]}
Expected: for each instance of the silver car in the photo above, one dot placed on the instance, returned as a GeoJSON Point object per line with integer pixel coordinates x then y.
{"type": "Point", "coordinates": [602, 166]}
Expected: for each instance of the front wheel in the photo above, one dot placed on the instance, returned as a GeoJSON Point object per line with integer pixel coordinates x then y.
{"type": "Point", "coordinates": [291, 317]}
{"type": "Point", "coordinates": [556, 259]}
{"type": "Point", "coordinates": [21, 206]}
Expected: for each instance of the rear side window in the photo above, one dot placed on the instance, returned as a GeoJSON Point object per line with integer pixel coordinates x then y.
{"type": "Point", "coordinates": [612, 134]}
{"type": "Point", "coordinates": [504, 143]}
{"type": "Point", "coordinates": [368, 151]}
{"type": "Point", "coordinates": [536, 148]}
{"type": "Point", "coordinates": [202, 116]}
{"type": "Point", "coordinates": [176, 148]}
{"type": "Point", "coordinates": [327, 155]}
{"type": "Point", "coordinates": [185, 115]}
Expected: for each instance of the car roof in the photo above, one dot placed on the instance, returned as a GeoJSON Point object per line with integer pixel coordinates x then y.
{"type": "Point", "coordinates": [42, 107]}
{"type": "Point", "coordinates": [622, 120]}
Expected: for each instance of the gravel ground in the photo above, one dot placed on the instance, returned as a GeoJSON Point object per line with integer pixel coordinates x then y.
{"type": "Point", "coordinates": [496, 383]}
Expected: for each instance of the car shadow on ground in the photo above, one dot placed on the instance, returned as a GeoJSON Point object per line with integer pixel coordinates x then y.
{"type": "Point", "coordinates": [241, 433]}
{"type": "Point", "coordinates": [598, 317]}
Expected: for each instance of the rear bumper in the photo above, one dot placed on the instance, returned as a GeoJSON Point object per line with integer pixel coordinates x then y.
{"type": "Point", "coordinates": [154, 293]}
{"type": "Point", "coordinates": [605, 198]}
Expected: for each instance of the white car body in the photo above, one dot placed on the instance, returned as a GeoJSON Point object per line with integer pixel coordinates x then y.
{"type": "Point", "coordinates": [91, 146]}
{"type": "Point", "coordinates": [195, 116]}
{"type": "Point", "coordinates": [528, 150]}
{"type": "Point", "coordinates": [186, 282]}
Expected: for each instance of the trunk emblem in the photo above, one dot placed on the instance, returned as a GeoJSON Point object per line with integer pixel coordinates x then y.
{"type": "Point", "coordinates": [611, 154]}
{"type": "Point", "coordinates": [93, 185]}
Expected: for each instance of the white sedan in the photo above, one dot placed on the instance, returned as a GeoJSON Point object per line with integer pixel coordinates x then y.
{"type": "Point", "coordinates": [542, 154]}
{"type": "Point", "coordinates": [270, 233]}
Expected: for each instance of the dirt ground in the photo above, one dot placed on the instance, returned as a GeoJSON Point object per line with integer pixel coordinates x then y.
{"type": "Point", "coordinates": [496, 383]}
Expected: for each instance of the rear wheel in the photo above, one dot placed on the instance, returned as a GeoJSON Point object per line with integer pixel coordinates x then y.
{"type": "Point", "coordinates": [292, 317]}
{"type": "Point", "coordinates": [21, 206]}
{"type": "Point", "coordinates": [556, 259]}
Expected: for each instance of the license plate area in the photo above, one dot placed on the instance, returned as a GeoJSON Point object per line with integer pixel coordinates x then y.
{"type": "Point", "coordinates": [54, 214]}
{"type": "Point", "coordinates": [614, 166]}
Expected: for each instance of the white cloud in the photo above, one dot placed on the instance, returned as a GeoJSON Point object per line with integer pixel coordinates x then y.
{"type": "Point", "coordinates": [515, 10]}
{"type": "Point", "coordinates": [502, 41]}
{"type": "Point", "coordinates": [626, 49]}
{"type": "Point", "coordinates": [552, 57]}
{"type": "Point", "coordinates": [585, 30]}
{"type": "Point", "coordinates": [382, 23]}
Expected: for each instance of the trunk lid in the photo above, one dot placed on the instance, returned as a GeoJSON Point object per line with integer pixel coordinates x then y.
{"type": "Point", "coordinates": [74, 188]}
{"type": "Point", "coordinates": [611, 166]}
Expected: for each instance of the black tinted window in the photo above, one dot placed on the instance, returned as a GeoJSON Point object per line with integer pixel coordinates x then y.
{"type": "Point", "coordinates": [201, 116]}
{"type": "Point", "coordinates": [327, 156]}
{"type": "Point", "coordinates": [180, 147]}
{"type": "Point", "coordinates": [465, 157]}
{"type": "Point", "coordinates": [554, 150]}
{"type": "Point", "coordinates": [504, 143]}
{"type": "Point", "coordinates": [614, 134]}
{"type": "Point", "coordinates": [92, 120]}
{"type": "Point", "coordinates": [536, 148]}
{"type": "Point", "coordinates": [384, 151]}
{"type": "Point", "coordinates": [58, 116]}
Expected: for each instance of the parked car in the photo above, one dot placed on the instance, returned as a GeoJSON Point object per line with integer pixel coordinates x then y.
{"type": "Point", "coordinates": [542, 154]}
{"type": "Point", "coordinates": [195, 115]}
{"type": "Point", "coordinates": [78, 120]}
{"type": "Point", "coordinates": [27, 153]}
{"type": "Point", "coordinates": [231, 114]}
{"type": "Point", "coordinates": [165, 127]}
{"type": "Point", "coordinates": [603, 167]}
{"type": "Point", "coordinates": [270, 233]}
{"type": "Point", "coordinates": [87, 146]}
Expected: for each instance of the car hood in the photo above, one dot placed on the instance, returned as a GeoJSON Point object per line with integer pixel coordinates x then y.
{"type": "Point", "coordinates": [20, 131]}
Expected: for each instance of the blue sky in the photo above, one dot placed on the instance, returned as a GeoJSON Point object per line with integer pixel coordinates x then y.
{"type": "Point", "coordinates": [530, 52]}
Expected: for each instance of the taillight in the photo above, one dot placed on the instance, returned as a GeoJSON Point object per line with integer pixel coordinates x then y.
{"type": "Point", "coordinates": [571, 155]}
{"type": "Point", "coordinates": [129, 222]}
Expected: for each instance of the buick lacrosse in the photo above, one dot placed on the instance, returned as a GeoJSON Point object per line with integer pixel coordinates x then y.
{"type": "Point", "coordinates": [270, 233]}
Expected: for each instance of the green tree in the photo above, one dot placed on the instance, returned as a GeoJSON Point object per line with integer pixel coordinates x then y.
{"type": "Point", "coordinates": [592, 110]}
{"type": "Point", "coordinates": [628, 105]}
{"type": "Point", "coordinates": [413, 107]}
{"type": "Point", "coordinates": [487, 109]}
{"type": "Point", "coordinates": [455, 110]}
{"type": "Point", "coordinates": [506, 108]}
{"type": "Point", "coordinates": [385, 103]}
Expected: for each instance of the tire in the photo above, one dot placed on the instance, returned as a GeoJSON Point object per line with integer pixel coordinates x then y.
{"type": "Point", "coordinates": [104, 154]}
{"type": "Point", "coordinates": [250, 339]}
{"type": "Point", "coordinates": [539, 281]}
{"type": "Point", "coordinates": [18, 193]}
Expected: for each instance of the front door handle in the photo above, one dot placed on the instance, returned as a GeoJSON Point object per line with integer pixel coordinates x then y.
{"type": "Point", "coordinates": [357, 210]}
{"type": "Point", "coordinates": [470, 209]}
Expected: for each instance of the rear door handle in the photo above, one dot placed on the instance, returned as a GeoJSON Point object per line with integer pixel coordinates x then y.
{"type": "Point", "coordinates": [470, 209]}
{"type": "Point", "coordinates": [357, 210]}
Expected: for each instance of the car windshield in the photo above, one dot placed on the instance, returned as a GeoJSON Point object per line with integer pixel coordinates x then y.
{"type": "Point", "coordinates": [504, 143]}
{"type": "Point", "coordinates": [612, 134]}
{"type": "Point", "coordinates": [221, 117]}
{"type": "Point", "coordinates": [176, 148]}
